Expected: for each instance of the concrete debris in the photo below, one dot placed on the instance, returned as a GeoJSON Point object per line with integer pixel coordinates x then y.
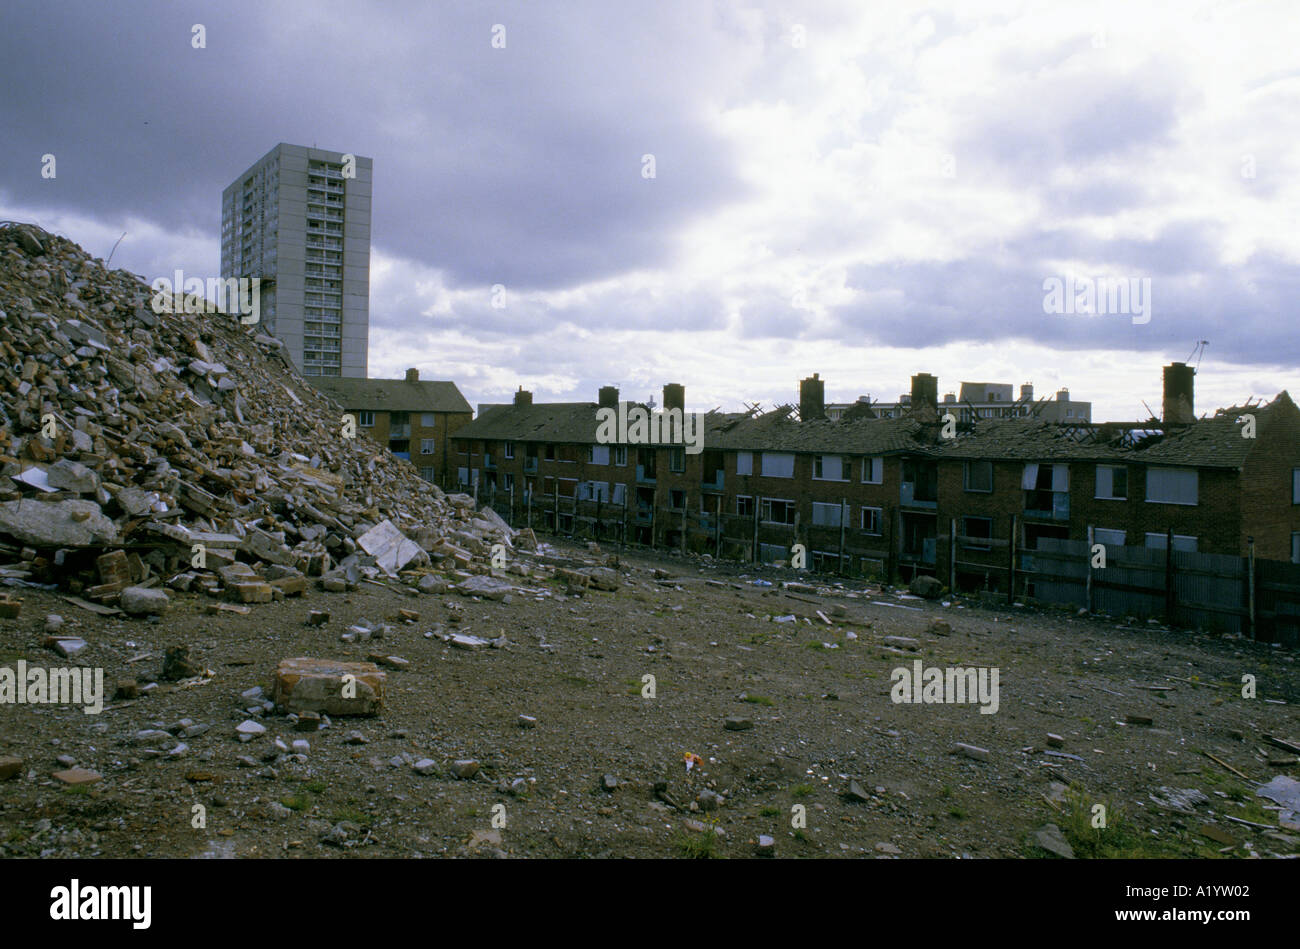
{"type": "Point", "coordinates": [486, 587]}
{"type": "Point", "coordinates": [329, 686]}
{"type": "Point", "coordinates": [1285, 791]}
{"type": "Point", "coordinates": [1050, 838]}
{"type": "Point", "coordinates": [143, 601]}
{"type": "Point", "coordinates": [1182, 800]}
{"type": "Point", "coordinates": [190, 438]}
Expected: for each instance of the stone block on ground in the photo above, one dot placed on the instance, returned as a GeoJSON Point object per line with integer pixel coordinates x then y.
{"type": "Point", "coordinates": [143, 601]}
{"type": "Point", "coordinates": [319, 685]}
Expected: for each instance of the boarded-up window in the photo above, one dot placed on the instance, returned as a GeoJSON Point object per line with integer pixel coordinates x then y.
{"type": "Point", "coordinates": [1172, 485]}
{"type": "Point", "coordinates": [777, 465]}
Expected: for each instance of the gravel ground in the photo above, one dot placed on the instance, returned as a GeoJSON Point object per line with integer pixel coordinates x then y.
{"type": "Point", "coordinates": [603, 771]}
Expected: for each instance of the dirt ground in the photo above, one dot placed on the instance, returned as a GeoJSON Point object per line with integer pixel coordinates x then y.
{"type": "Point", "coordinates": [604, 768]}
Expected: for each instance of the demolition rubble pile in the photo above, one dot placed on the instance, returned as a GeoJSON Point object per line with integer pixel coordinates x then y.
{"type": "Point", "coordinates": [142, 450]}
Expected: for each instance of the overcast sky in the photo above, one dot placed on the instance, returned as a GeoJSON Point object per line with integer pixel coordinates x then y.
{"type": "Point", "coordinates": [864, 190]}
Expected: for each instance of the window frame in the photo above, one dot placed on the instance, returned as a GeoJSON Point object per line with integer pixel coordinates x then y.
{"type": "Point", "coordinates": [824, 506]}
{"type": "Point", "coordinates": [1098, 496]}
{"type": "Point", "coordinates": [775, 455]}
{"type": "Point", "coordinates": [879, 519]}
{"type": "Point", "coordinates": [1196, 483]}
{"type": "Point", "coordinates": [765, 507]}
{"type": "Point", "coordinates": [966, 479]}
{"type": "Point", "coordinates": [365, 418]}
{"type": "Point", "coordinates": [876, 462]}
{"type": "Point", "coordinates": [965, 531]}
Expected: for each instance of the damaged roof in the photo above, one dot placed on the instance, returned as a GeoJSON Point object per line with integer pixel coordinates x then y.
{"type": "Point", "coordinates": [393, 395]}
{"type": "Point", "coordinates": [1214, 442]}
{"type": "Point", "coordinates": [560, 422]}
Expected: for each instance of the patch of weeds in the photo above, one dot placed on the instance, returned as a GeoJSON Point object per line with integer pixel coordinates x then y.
{"type": "Point", "coordinates": [696, 846]}
{"type": "Point", "coordinates": [316, 785]}
{"type": "Point", "coordinates": [1120, 838]}
{"type": "Point", "coordinates": [78, 790]}
{"type": "Point", "coordinates": [360, 818]}
{"type": "Point", "coordinates": [296, 802]}
{"type": "Point", "coordinates": [576, 680]}
{"type": "Point", "coordinates": [945, 791]}
{"type": "Point", "coordinates": [957, 813]}
{"type": "Point", "coordinates": [770, 812]}
{"type": "Point", "coordinates": [813, 644]}
{"type": "Point", "coordinates": [759, 700]}
{"type": "Point", "coordinates": [801, 790]}
{"type": "Point", "coordinates": [800, 835]}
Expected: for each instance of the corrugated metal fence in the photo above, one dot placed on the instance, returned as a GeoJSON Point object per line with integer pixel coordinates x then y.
{"type": "Point", "coordinates": [1200, 591]}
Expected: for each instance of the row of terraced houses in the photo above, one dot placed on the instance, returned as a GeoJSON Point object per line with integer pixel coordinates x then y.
{"type": "Point", "coordinates": [923, 493]}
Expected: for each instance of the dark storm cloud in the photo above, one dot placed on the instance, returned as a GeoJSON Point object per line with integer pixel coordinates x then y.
{"type": "Point", "coordinates": [519, 165]}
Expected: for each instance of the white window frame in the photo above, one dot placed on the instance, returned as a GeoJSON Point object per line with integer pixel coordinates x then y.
{"type": "Point", "coordinates": [1060, 478]}
{"type": "Point", "coordinates": [777, 461]}
{"type": "Point", "coordinates": [1105, 536]}
{"type": "Point", "coordinates": [750, 499]}
{"type": "Point", "coordinates": [824, 465]}
{"type": "Point", "coordinates": [620, 456]}
{"type": "Point", "coordinates": [766, 503]}
{"type": "Point", "coordinates": [1295, 485]}
{"type": "Point", "coordinates": [1108, 481]}
{"type": "Point", "coordinates": [1295, 547]}
{"type": "Point", "coordinates": [508, 450]}
{"type": "Point", "coordinates": [873, 466]}
{"type": "Point", "coordinates": [824, 508]}
{"type": "Point", "coordinates": [428, 446]}
{"type": "Point", "coordinates": [366, 419]}
{"type": "Point", "coordinates": [428, 419]}
{"type": "Point", "coordinates": [1195, 482]}
{"type": "Point", "coordinates": [598, 454]}
{"type": "Point", "coordinates": [744, 463]}
{"type": "Point", "coordinates": [879, 519]}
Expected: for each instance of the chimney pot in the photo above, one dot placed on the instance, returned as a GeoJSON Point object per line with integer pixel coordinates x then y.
{"type": "Point", "coordinates": [523, 397]}
{"type": "Point", "coordinates": [412, 375]}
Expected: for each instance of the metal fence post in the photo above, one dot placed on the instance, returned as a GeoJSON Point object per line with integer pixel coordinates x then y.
{"type": "Point", "coordinates": [1170, 596]}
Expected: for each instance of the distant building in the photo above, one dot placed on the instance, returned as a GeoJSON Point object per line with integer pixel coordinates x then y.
{"type": "Point", "coordinates": [415, 419]}
{"type": "Point", "coordinates": [296, 222]}
{"type": "Point", "coordinates": [980, 400]}
{"type": "Point", "coordinates": [868, 494]}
